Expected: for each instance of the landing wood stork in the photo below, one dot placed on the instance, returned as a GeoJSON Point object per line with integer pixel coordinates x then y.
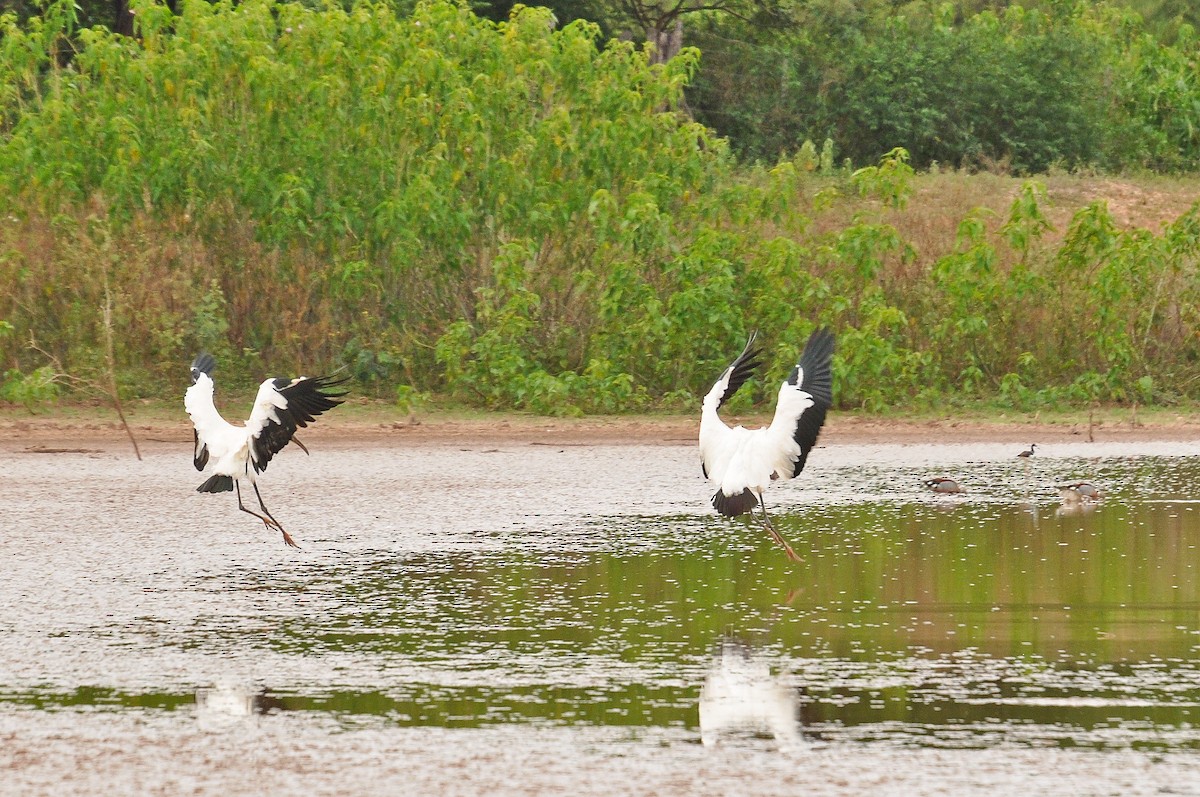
{"type": "Point", "coordinates": [943, 485]}
{"type": "Point", "coordinates": [242, 452]}
{"type": "Point", "coordinates": [1027, 453]}
{"type": "Point", "coordinates": [743, 462]}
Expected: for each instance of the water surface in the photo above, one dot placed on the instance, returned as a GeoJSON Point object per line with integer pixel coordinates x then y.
{"type": "Point", "coordinates": [523, 618]}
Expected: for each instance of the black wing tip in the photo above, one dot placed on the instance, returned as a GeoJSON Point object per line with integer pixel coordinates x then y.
{"type": "Point", "coordinates": [816, 363]}
{"type": "Point", "coordinates": [204, 363]}
{"type": "Point", "coordinates": [314, 382]}
{"type": "Point", "coordinates": [734, 505]}
{"type": "Point", "coordinates": [824, 336]}
{"type": "Point", "coordinates": [821, 345]}
{"type": "Point", "coordinates": [322, 385]}
{"type": "Point", "coordinates": [750, 351]}
{"type": "Point", "coordinates": [200, 455]}
{"type": "Point", "coordinates": [742, 368]}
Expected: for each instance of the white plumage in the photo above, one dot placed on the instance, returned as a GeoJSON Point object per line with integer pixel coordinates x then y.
{"type": "Point", "coordinates": [743, 462]}
{"type": "Point", "coordinates": [239, 453]}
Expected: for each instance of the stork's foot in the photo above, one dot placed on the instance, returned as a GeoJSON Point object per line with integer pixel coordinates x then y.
{"type": "Point", "coordinates": [787, 548]}
{"type": "Point", "coordinates": [287, 538]}
{"type": "Point", "coordinates": [779, 538]}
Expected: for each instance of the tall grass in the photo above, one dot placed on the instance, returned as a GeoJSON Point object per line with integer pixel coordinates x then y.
{"type": "Point", "coordinates": [514, 215]}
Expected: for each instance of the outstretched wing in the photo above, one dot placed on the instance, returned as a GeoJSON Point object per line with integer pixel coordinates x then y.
{"type": "Point", "coordinates": [807, 395]}
{"type": "Point", "coordinates": [737, 373]}
{"type": "Point", "coordinates": [198, 401]}
{"type": "Point", "coordinates": [281, 407]}
{"type": "Point", "coordinates": [714, 433]}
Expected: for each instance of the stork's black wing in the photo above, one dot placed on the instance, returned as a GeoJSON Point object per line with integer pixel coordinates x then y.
{"type": "Point", "coordinates": [285, 405]}
{"type": "Point", "coordinates": [200, 454]}
{"type": "Point", "coordinates": [739, 370]}
{"type": "Point", "coordinates": [814, 376]}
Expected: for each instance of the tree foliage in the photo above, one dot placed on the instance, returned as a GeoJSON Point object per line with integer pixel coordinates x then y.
{"type": "Point", "coordinates": [516, 214]}
{"type": "Point", "coordinates": [1074, 85]}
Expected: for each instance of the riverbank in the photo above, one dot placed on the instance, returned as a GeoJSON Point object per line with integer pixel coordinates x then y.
{"type": "Point", "coordinates": [378, 422]}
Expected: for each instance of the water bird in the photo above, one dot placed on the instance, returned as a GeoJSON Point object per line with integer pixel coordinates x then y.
{"type": "Point", "coordinates": [241, 452]}
{"type": "Point", "coordinates": [1079, 491]}
{"type": "Point", "coordinates": [1027, 453]}
{"type": "Point", "coordinates": [744, 462]}
{"type": "Point", "coordinates": [943, 485]}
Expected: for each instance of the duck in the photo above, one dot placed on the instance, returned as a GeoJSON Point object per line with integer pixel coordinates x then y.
{"type": "Point", "coordinates": [1079, 491]}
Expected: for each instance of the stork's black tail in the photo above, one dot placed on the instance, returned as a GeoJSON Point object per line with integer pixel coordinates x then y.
{"type": "Point", "coordinates": [216, 484]}
{"type": "Point", "coordinates": [734, 505]}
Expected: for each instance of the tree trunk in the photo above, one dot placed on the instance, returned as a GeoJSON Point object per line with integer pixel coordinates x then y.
{"type": "Point", "coordinates": [667, 40]}
{"type": "Point", "coordinates": [122, 20]}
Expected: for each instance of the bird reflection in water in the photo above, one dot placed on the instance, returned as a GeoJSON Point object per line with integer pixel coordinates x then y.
{"type": "Point", "coordinates": [229, 703]}
{"type": "Point", "coordinates": [741, 696]}
{"type": "Point", "coordinates": [1078, 498]}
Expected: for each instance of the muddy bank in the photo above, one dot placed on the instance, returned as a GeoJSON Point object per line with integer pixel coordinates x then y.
{"type": "Point", "coordinates": [365, 423]}
{"type": "Point", "coordinates": [100, 754]}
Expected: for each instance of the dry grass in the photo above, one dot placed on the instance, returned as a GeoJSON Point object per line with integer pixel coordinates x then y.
{"type": "Point", "coordinates": [941, 200]}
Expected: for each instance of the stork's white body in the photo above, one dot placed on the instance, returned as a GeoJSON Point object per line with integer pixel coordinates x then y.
{"type": "Point", "coordinates": [738, 458]}
{"type": "Point", "coordinates": [229, 446]}
{"type": "Point", "coordinates": [743, 462]}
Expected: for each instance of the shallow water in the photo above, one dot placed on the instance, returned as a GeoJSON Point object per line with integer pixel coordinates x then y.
{"type": "Point", "coordinates": [519, 619]}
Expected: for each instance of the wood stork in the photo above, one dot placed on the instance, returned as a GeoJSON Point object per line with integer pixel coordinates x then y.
{"type": "Point", "coordinates": [943, 485]}
{"type": "Point", "coordinates": [1027, 453]}
{"type": "Point", "coordinates": [743, 462]}
{"type": "Point", "coordinates": [241, 452]}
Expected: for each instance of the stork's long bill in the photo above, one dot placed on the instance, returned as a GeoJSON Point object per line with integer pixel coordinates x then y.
{"type": "Point", "coordinates": [743, 462]}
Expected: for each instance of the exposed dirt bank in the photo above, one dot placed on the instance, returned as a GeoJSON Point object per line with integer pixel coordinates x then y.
{"type": "Point", "coordinates": [382, 425]}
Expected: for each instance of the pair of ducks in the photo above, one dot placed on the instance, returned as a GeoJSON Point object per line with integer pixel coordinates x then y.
{"type": "Point", "coordinates": [1071, 493]}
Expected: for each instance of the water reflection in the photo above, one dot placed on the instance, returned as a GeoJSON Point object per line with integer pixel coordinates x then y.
{"type": "Point", "coordinates": [1075, 508]}
{"type": "Point", "coordinates": [232, 702]}
{"type": "Point", "coordinates": [918, 619]}
{"type": "Point", "coordinates": [740, 695]}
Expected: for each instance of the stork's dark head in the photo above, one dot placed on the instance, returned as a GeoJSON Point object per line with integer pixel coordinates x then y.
{"type": "Point", "coordinates": [204, 363]}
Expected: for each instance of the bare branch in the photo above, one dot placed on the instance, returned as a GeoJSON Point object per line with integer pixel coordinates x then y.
{"type": "Point", "coordinates": [60, 376]}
